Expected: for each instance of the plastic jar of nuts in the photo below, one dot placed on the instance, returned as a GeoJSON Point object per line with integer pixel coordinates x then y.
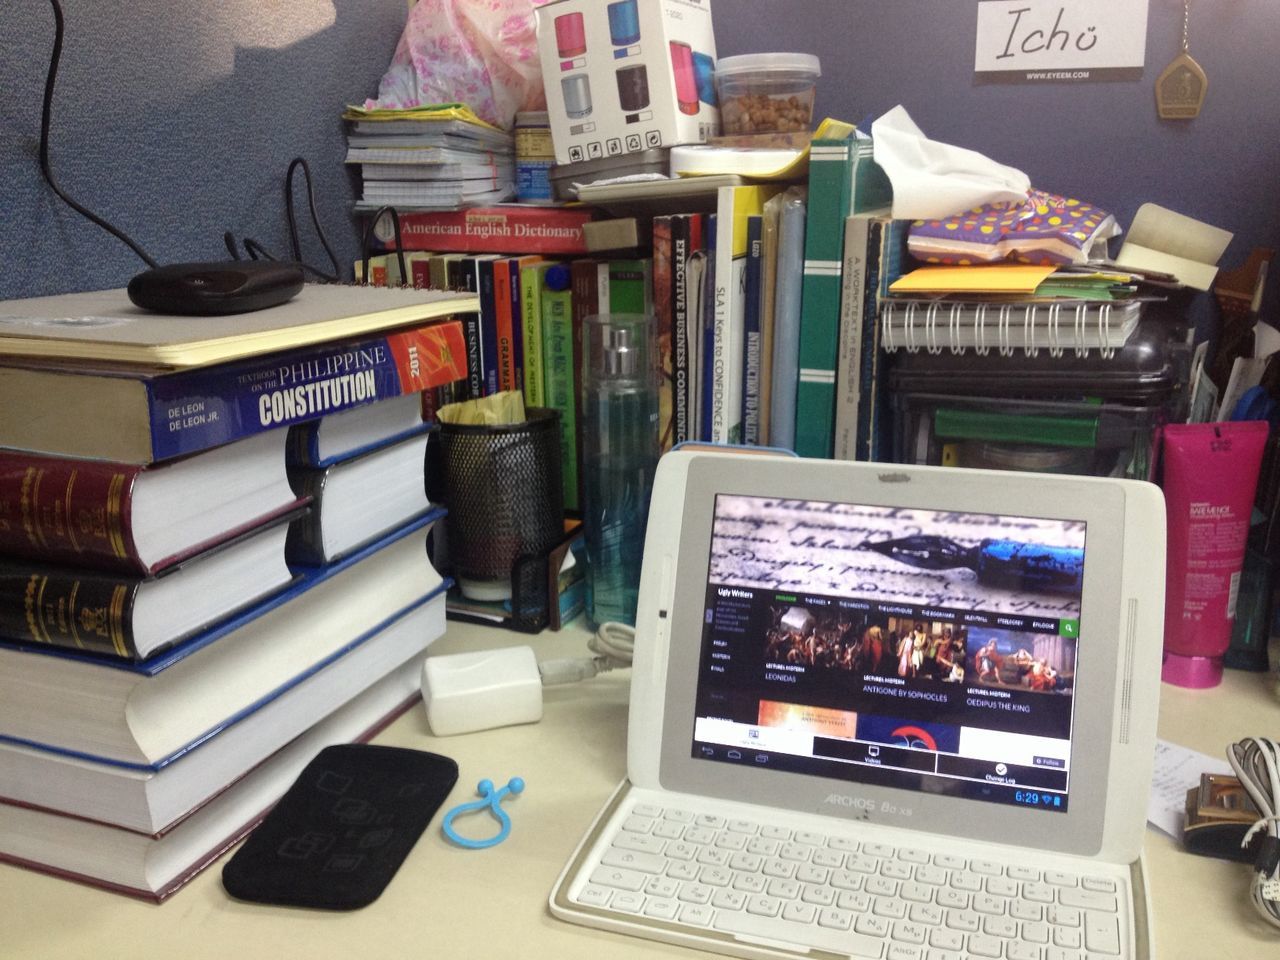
{"type": "Point", "coordinates": [766, 92]}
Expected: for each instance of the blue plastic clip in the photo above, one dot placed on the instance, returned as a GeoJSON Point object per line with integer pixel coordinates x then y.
{"type": "Point", "coordinates": [490, 799]}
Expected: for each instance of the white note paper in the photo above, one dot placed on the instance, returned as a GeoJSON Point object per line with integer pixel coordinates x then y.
{"type": "Point", "coordinates": [1177, 770]}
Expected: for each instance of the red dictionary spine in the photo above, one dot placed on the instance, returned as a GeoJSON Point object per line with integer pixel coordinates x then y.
{"type": "Point", "coordinates": [67, 511]}
{"type": "Point", "coordinates": [513, 229]}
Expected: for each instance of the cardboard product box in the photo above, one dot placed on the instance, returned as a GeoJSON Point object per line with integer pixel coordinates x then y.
{"type": "Point", "coordinates": [627, 76]}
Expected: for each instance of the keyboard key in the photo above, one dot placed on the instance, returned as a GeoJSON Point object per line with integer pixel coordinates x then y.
{"type": "Point", "coordinates": [905, 931]}
{"type": "Point", "coordinates": [594, 896]}
{"type": "Point", "coordinates": [697, 915]}
{"type": "Point", "coordinates": [750, 883]}
{"type": "Point", "coordinates": [913, 856]}
{"type": "Point", "coordinates": [699, 835]}
{"type": "Point", "coordinates": [763, 846]}
{"type": "Point", "coordinates": [985, 903]}
{"type": "Point", "coordinates": [663, 887]}
{"type": "Point", "coordinates": [818, 894]}
{"type": "Point", "coordinates": [861, 864]}
{"type": "Point", "coordinates": [778, 868]}
{"type": "Point", "coordinates": [709, 820]}
{"type": "Point", "coordinates": [904, 951]}
{"type": "Point", "coordinates": [635, 824]}
{"type": "Point", "coordinates": [945, 939]}
{"type": "Point", "coordinates": [764, 906]}
{"type": "Point", "coordinates": [1001, 927]}
{"type": "Point", "coordinates": [639, 841]}
{"type": "Point", "coordinates": [855, 901]}
{"type": "Point", "coordinates": [634, 860]}
{"type": "Point", "coordinates": [828, 858]}
{"type": "Point", "coordinates": [798, 852]}
{"type": "Point", "coordinates": [1035, 932]}
{"type": "Point", "coordinates": [1063, 916]}
{"type": "Point", "coordinates": [750, 862]}
{"type": "Point", "coordinates": [811, 838]}
{"type": "Point", "coordinates": [683, 870]}
{"type": "Point", "coordinates": [881, 850]}
{"type": "Point", "coordinates": [1087, 900]}
{"type": "Point", "coordinates": [844, 844]}
{"type": "Point", "coordinates": [731, 841]}
{"type": "Point", "coordinates": [1025, 910]}
{"type": "Point", "coordinates": [1024, 873]}
{"type": "Point", "coordinates": [930, 874]}
{"type": "Point", "coordinates": [1038, 892]}
{"type": "Point", "coordinates": [881, 887]}
{"type": "Point", "coordinates": [835, 918]}
{"type": "Point", "coordinates": [1002, 887]}
{"type": "Point", "coordinates": [927, 913]}
{"type": "Point", "coordinates": [889, 907]}
{"type": "Point", "coordinates": [1068, 937]}
{"type": "Point", "coordinates": [784, 889]}
{"type": "Point", "coordinates": [871, 925]}
{"type": "Point", "coordinates": [965, 920]}
{"type": "Point", "coordinates": [627, 902]}
{"type": "Point", "coordinates": [953, 898]}
{"type": "Point", "coordinates": [844, 880]}
{"type": "Point", "coordinates": [950, 861]}
{"type": "Point", "coordinates": [1101, 933]}
{"type": "Point", "coordinates": [981, 945]}
{"type": "Point", "coordinates": [800, 912]}
{"type": "Point", "coordinates": [964, 880]}
{"type": "Point", "coordinates": [647, 810]}
{"type": "Point", "coordinates": [896, 870]}
{"type": "Point", "coordinates": [714, 856]}
{"type": "Point", "coordinates": [744, 826]}
{"type": "Point", "coordinates": [916, 893]}
{"type": "Point", "coordinates": [695, 893]}
{"type": "Point", "coordinates": [668, 829]}
{"type": "Point", "coordinates": [1099, 884]}
{"type": "Point", "coordinates": [987, 868]}
{"type": "Point", "coordinates": [619, 879]}
{"type": "Point", "coordinates": [772, 832]}
{"type": "Point", "coordinates": [1057, 953]}
{"type": "Point", "coordinates": [716, 876]}
{"type": "Point", "coordinates": [816, 937]}
{"type": "Point", "coordinates": [680, 816]}
{"type": "Point", "coordinates": [1022, 951]}
{"type": "Point", "coordinates": [661, 909]}
{"type": "Point", "coordinates": [808, 873]}
{"type": "Point", "coordinates": [1060, 879]}
{"type": "Point", "coordinates": [729, 900]}
{"type": "Point", "coordinates": [681, 850]}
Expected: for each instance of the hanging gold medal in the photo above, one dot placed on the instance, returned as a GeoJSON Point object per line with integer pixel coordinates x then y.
{"type": "Point", "coordinates": [1181, 86]}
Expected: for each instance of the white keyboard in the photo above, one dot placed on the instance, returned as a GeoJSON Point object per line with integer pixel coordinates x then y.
{"type": "Point", "coordinates": [767, 883]}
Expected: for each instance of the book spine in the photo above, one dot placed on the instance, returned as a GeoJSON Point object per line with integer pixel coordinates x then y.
{"type": "Point", "coordinates": [560, 382]}
{"type": "Point", "coordinates": [587, 277]}
{"type": "Point", "coordinates": [891, 248]}
{"type": "Point", "coordinates": [854, 283]}
{"type": "Point", "coordinates": [194, 410]}
{"type": "Point", "coordinates": [505, 357]}
{"type": "Point", "coordinates": [304, 543]}
{"type": "Point", "coordinates": [752, 344]}
{"type": "Point", "coordinates": [630, 286]}
{"type": "Point", "coordinates": [706, 329]}
{"type": "Point", "coordinates": [681, 298]}
{"type": "Point", "coordinates": [515, 299]}
{"type": "Point", "coordinates": [829, 187]}
{"type": "Point", "coordinates": [531, 322]}
{"type": "Point", "coordinates": [867, 445]}
{"type": "Point", "coordinates": [489, 335]}
{"type": "Point", "coordinates": [68, 511]}
{"type": "Point", "coordinates": [724, 343]}
{"type": "Point", "coordinates": [551, 231]}
{"type": "Point", "coordinates": [786, 335]}
{"type": "Point", "coordinates": [71, 609]}
{"type": "Point", "coordinates": [420, 269]}
{"type": "Point", "coordinates": [768, 303]}
{"type": "Point", "coordinates": [664, 329]}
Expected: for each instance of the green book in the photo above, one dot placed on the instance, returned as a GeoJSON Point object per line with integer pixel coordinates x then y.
{"type": "Point", "coordinates": [558, 377]}
{"type": "Point", "coordinates": [830, 186]}
{"type": "Point", "coordinates": [630, 286]}
{"type": "Point", "coordinates": [531, 326]}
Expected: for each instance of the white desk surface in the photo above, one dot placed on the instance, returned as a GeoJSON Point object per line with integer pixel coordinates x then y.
{"type": "Point", "coordinates": [448, 903]}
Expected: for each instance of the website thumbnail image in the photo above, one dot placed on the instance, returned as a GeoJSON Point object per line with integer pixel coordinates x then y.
{"type": "Point", "coordinates": [826, 652]}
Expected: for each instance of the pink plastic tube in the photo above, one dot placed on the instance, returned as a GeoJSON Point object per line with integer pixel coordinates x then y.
{"type": "Point", "coordinates": [1210, 476]}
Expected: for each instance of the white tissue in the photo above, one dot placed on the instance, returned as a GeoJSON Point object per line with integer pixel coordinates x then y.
{"type": "Point", "coordinates": [932, 179]}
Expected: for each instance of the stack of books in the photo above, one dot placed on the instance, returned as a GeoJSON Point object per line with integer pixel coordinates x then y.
{"type": "Point", "coordinates": [429, 158]}
{"type": "Point", "coordinates": [207, 572]}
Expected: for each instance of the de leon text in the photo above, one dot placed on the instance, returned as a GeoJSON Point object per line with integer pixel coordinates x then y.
{"type": "Point", "coordinates": [1026, 37]}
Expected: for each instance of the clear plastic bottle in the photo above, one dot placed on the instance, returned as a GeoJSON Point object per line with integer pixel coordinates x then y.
{"type": "Point", "coordinates": [619, 455]}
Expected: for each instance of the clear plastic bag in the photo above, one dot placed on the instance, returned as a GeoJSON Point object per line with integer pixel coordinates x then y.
{"type": "Point", "coordinates": [483, 53]}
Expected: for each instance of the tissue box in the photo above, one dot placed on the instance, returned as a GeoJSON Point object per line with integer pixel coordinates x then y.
{"type": "Point", "coordinates": [628, 76]}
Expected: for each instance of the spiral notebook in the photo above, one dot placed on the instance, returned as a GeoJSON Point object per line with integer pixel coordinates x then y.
{"type": "Point", "coordinates": [1029, 326]}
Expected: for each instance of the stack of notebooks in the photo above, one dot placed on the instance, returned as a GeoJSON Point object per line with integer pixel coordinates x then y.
{"type": "Point", "coordinates": [429, 158]}
{"type": "Point", "coordinates": [208, 572]}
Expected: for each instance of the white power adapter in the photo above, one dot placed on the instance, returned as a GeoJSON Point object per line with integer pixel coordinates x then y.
{"type": "Point", "coordinates": [465, 692]}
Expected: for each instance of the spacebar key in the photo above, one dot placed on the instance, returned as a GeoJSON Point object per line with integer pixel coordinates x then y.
{"type": "Point", "coordinates": [786, 933]}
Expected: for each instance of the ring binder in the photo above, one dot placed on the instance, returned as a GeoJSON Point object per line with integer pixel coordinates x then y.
{"type": "Point", "coordinates": [1010, 328]}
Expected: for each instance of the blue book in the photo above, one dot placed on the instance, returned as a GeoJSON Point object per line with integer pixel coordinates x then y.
{"type": "Point", "coordinates": [886, 257]}
{"type": "Point", "coordinates": [786, 325]}
{"type": "Point", "coordinates": [707, 320]}
{"type": "Point", "coordinates": [146, 715]}
{"type": "Point", "coordinates": [488, 326]}
{"type": "Point", "coordinates": [752, 290]}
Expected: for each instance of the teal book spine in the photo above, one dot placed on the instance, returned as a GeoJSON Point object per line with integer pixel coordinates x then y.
{"type": "Point", "coordinates": [830, 180]}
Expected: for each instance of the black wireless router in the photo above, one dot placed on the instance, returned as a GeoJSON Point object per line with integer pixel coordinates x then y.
{"type": "Point", "coordinates": [216, 289]}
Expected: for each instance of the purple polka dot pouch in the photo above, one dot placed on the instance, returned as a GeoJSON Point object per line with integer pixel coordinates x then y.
{"type": "Point", "coordinates": [1043, 229]}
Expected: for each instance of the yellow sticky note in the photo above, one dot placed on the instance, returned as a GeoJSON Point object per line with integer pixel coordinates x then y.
{"type": "Point", "coordinates": [1019, 278]}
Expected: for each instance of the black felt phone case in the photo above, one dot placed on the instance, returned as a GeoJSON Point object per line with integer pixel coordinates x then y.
{"type": "Point", "coordinates": [340, 833]}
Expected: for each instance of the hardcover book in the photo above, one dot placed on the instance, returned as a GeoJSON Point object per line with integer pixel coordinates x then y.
{"type": "Point", "coordinates": [105, 327]}
{"type": "Point", "coordinates": [134, 519]}
{"type": "Point", "coordinates": [514, 229]}
{"type": "Point", "coordinates": [357, 500]}
{"type": "Point", "coordinates": [153, 866]}
{"type": "Point", "coordinates": [147, 715]}
{"type": "Point", "coordinates": [340, 436]}
{"type": "Point", "coordinates": [132, 616]}
{"type": "Point", "coordinates": [137, 416]}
